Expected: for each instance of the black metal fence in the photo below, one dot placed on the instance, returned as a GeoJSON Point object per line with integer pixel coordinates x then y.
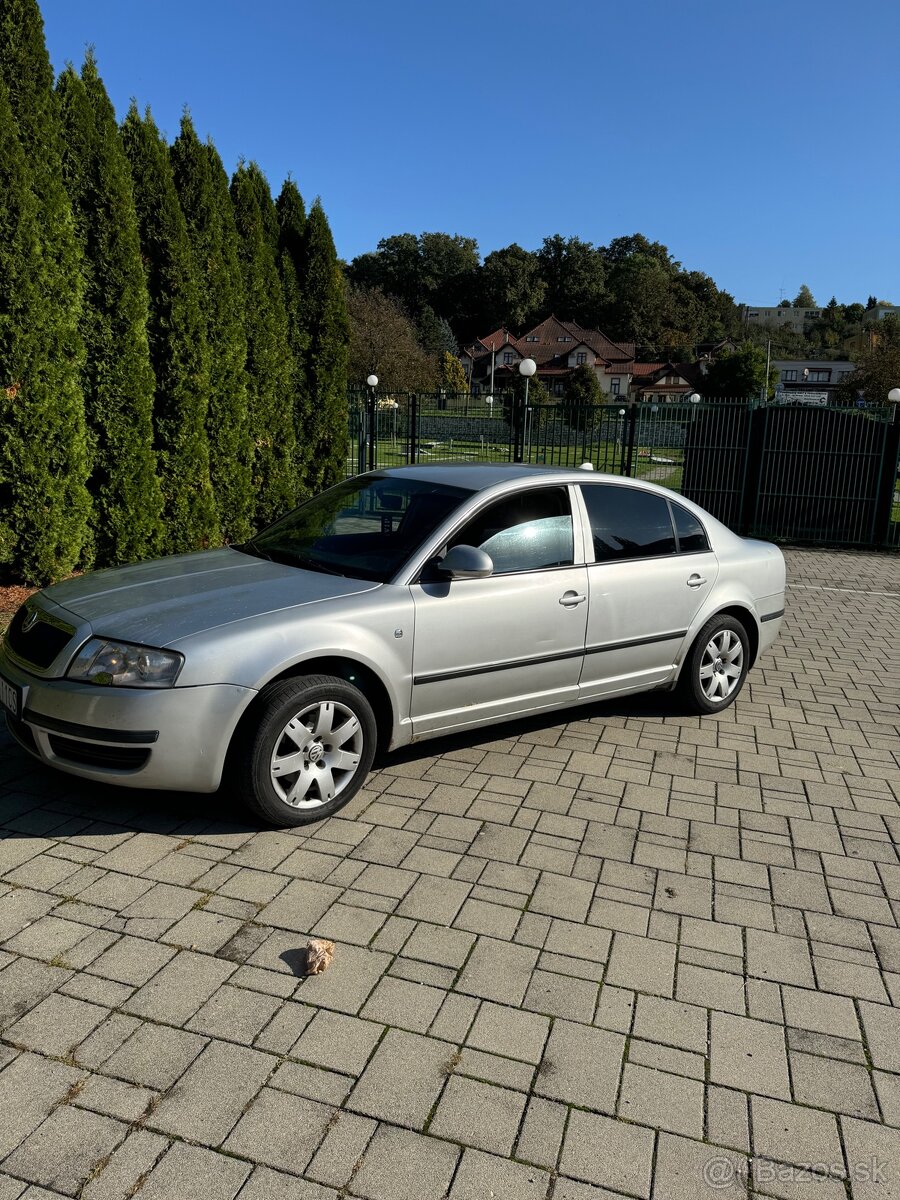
{"type": "Point", "coordinates": [785, 471]}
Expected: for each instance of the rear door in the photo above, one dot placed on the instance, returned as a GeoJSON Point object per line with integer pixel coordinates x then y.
{"type": "Point", "coordinates": [514, 642]}
{"type": "Point", "coordinates": [653, 569]}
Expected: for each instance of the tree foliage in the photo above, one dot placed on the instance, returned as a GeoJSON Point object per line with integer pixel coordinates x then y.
{"type": "Point", "coordinates": [44, 461]}
{"type": "Point", "coordinates": [117, 378]}
{"type": "Point", "coordinates": [739, 374]}
{"type": "Point", "coordinates": [324, 317]}
{"type": "Point", "coordinates": [291, 213]}
{"type": "Point", "coordinates": [877, 369]}
{"type": "Point", "coordinates": [383, 342]}
{"type": "Point", "coordinates": [804, 298]}
{"type": "Point", "coordinates": [202, 187]}
{"type": "Point", "coordinates": [178, 347]}
{"type": "Point", "coordinates": [269, 362]}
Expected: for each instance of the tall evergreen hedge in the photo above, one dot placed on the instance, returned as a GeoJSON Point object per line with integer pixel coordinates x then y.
{"type": "Point", "coordinates": [44, 501]}
{"type": "Point", "coordinates": [117, 378]}
{"type": "Point", "coordinates": [323, 314]}
{"type": "Point", "coordinates": [269, 359]}
{"type": "Point", "coordinates": [178, 346]}
{"type": "Point", "coordinates": [291, 229]}
{"type": "Point", "coordinates": [202, 187]}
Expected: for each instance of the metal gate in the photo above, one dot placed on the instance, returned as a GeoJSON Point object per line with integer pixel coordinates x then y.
{"type": "Point", "coordinates": [826, 475]}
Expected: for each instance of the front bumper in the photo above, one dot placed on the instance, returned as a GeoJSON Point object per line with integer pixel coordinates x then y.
{"type": "Point", "coordinates": [174, 739]}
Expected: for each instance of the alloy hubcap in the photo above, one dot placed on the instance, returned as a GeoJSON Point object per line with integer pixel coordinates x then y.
{"type": "Point", "coordinates": [316, 754]}
{"type": "Point", "coordinates": [721, 665]}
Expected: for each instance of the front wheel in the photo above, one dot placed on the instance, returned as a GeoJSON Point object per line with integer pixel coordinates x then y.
{"type": "Point", "coordinates": [310, 752]}
{"type": "Point", "coordinates": [716, 666]}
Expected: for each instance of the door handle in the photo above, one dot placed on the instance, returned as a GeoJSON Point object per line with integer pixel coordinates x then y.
{"type": "Point", "coordinates": [570, 599]}
{"type": "Point", "coordinates": [695, 581]}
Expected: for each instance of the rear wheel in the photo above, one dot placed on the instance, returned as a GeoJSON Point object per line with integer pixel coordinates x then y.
{"type": "Point", "coordinates": [716, 666]}
{"type": "Point", "coordinates": [310, 751]}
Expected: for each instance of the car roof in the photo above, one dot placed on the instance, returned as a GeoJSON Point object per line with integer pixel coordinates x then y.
{"type": "Point", "coordinates": [478, 476]}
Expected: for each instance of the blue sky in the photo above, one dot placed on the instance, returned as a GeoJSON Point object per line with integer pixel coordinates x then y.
{"type": "Point", "coordinates": [758, 141]}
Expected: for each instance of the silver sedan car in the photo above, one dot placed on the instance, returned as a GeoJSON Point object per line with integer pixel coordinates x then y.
{"type": "Point", "coordinates": [394, 607]}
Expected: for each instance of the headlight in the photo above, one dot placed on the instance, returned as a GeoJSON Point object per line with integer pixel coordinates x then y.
{"type": "Point", "coordinates": [119, 664]}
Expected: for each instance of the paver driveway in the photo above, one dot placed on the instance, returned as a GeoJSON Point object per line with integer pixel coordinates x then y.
{"type": "Point", "coordinates": [625, 953]}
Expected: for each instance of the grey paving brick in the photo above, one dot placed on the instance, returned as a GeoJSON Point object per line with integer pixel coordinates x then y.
{"type": "Point", "coordinates": [280, 1130]}
{"type": "Point", "coordinates": [882, 1028]}
{"type": "Point", "coordinates": [642, 964]}
{"type": "Point", "coordinates": [478, 1114]}
{"type": "Point", "coordinates": [348, 982]}
{"type": "Point", "coordinates": [129, 1164]}
{"type": "Point", "coordinates": [661, 1100]}
{"type": "Point", "coordinates": [176, 992]}
{"type": "Point", "coordinates": [23, 984]}
{"type": "Point", "coordinates": [498, 971]}
{"type": "Point", "coordinates": [749, 1055]}
{"type": "Point", "coordinates": [213, 1093]}
{"type": "Point", "coordinates": [154, 1055]}
{"type": "Point", "coordinates": [195, 1172]}
{"type": "Point", "coordinates": [266, 1184]}
{"type": "Point", "coordinates": [610, 1153]}
{"type": "Point", "coordinates": [29, 1087]}
{"type": "Point", "coordinates": [690, 1170]}
{"type": "Point", "coordinates": [404, 1004]}
{"type": "Point", "coordinates": [794, 1134]}
{"type": "Point", "coordinates": [300, 905]}
{"type": "Point", "coordinates": [481, 1175]}
{"type": "Point", "coordinates": [234, 1013]}
{"type": "Point", "coordinates": [56, 1025]}
{"type": "Point", "coordinates": [509, 1031]}
{"type": "Point", "coordinates": [132, 960]}
{"type": "Point", "coordinates": [400, 1165]}
{"type": "Point", "coordinates": [581, 1066]}
{"type": "Point", "coordinates": [403, 1079]}
{"type": "Point", "coordinates": [62, 1152]}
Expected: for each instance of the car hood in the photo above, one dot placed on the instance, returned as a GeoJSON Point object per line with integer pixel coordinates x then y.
{"type": "Point", "coordinates": [167, 599]}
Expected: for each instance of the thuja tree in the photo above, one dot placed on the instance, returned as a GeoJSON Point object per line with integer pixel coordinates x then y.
{"type": "Point", "coordinates": [291, 228]}
{"type": "Point", "coordinates": [117, 378]}
{"type": "Point", "coordinates": [177, 336]}
{"type": "Point", "coordinates": [202, 187]}
{"type": "Point", "coordinates": [324, 318]}
{"type": "Point", "coordinates": [44, 502]}
{"type": "Point", "coordinates": [269, 363]}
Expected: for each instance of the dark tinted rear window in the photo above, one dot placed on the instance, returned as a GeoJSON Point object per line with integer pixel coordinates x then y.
{"type": "Point", "coordinates": [628, 523]}
{"type": "Point", "coordinates": [691, 534]}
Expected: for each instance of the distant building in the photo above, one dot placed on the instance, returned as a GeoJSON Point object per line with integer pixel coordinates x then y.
{"type": "Point", "coordinates": [796, 319]}
{"type": "Point", "coordinates": [797, 377]}
{"type": "Point", "coordinates": [557, 347]}
{"type": "Point", "coordinates": [879, 312]}
{"type": "Point", "coordinates": [666, 382]}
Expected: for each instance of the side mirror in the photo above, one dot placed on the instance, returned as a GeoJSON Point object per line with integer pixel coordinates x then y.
{"type": "Point", "coordinates": [466, 562]}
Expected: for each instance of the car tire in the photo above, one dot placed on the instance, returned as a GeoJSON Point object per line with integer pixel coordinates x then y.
{"type": "Point", "coordinates": [716, 666]}
{"type": "Point", "coordinates": [325, 728]}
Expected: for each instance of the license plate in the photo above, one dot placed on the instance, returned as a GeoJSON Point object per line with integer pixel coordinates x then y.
{"type": "Point", "coordinates": [10, 697]}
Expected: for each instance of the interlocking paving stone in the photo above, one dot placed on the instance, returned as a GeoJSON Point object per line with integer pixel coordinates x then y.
{"type": "Point", "coordinates": [65, 1149]}
{"type": "Point", "coordinates": [195, 1172]}
{"type": "Point", "coordinates": [403, 1078]}
{"type": "Point", "coordinates": [551, 937]}
{"type": "Point", "coordinates": [280, 1130]}
{"type": "Point", "coordinates": [213, 1093]}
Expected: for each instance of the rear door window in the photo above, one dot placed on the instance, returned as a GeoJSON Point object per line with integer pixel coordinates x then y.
{"type": "Point", "coordinates": [628, 523]}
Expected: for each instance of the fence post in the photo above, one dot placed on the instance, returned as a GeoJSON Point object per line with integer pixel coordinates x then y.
{"type": "Point", "coordinates": [628, 437]}
{"type": "Point", "coordinates": [411, 451]}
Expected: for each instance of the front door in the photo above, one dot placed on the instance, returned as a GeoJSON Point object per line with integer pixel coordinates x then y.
{"type": "Point", "coordinates": [511, 643]}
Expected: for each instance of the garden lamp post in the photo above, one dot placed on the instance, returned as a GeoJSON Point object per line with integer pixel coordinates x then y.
{"type": "Point", "coordinates": [372, 384]}
{"type": "Point", "coordinates": [527, 368]}
{"type": "Point", "coordinates": [894, 398]}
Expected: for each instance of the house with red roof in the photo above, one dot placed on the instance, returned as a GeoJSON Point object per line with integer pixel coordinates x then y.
{"type": "Point", "coordinates": [558, 347]}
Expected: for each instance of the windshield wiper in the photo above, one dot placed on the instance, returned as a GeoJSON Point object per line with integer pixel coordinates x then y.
{"type": "Point", "coordinates": [314, 565]}
{"type": "Point", "coordinates": [250, 547]}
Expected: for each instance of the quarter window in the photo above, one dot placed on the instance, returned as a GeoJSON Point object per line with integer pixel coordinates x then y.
{"type": "Point", "coordinates": [530, 531]}
{"type": "Point", "coordinates": [628, 523]}
{"type": "Point", "coordinates": [691, 534]}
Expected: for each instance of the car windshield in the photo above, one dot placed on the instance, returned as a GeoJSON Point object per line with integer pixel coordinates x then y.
{"type": "Point", "coordinates": [364, 528]}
